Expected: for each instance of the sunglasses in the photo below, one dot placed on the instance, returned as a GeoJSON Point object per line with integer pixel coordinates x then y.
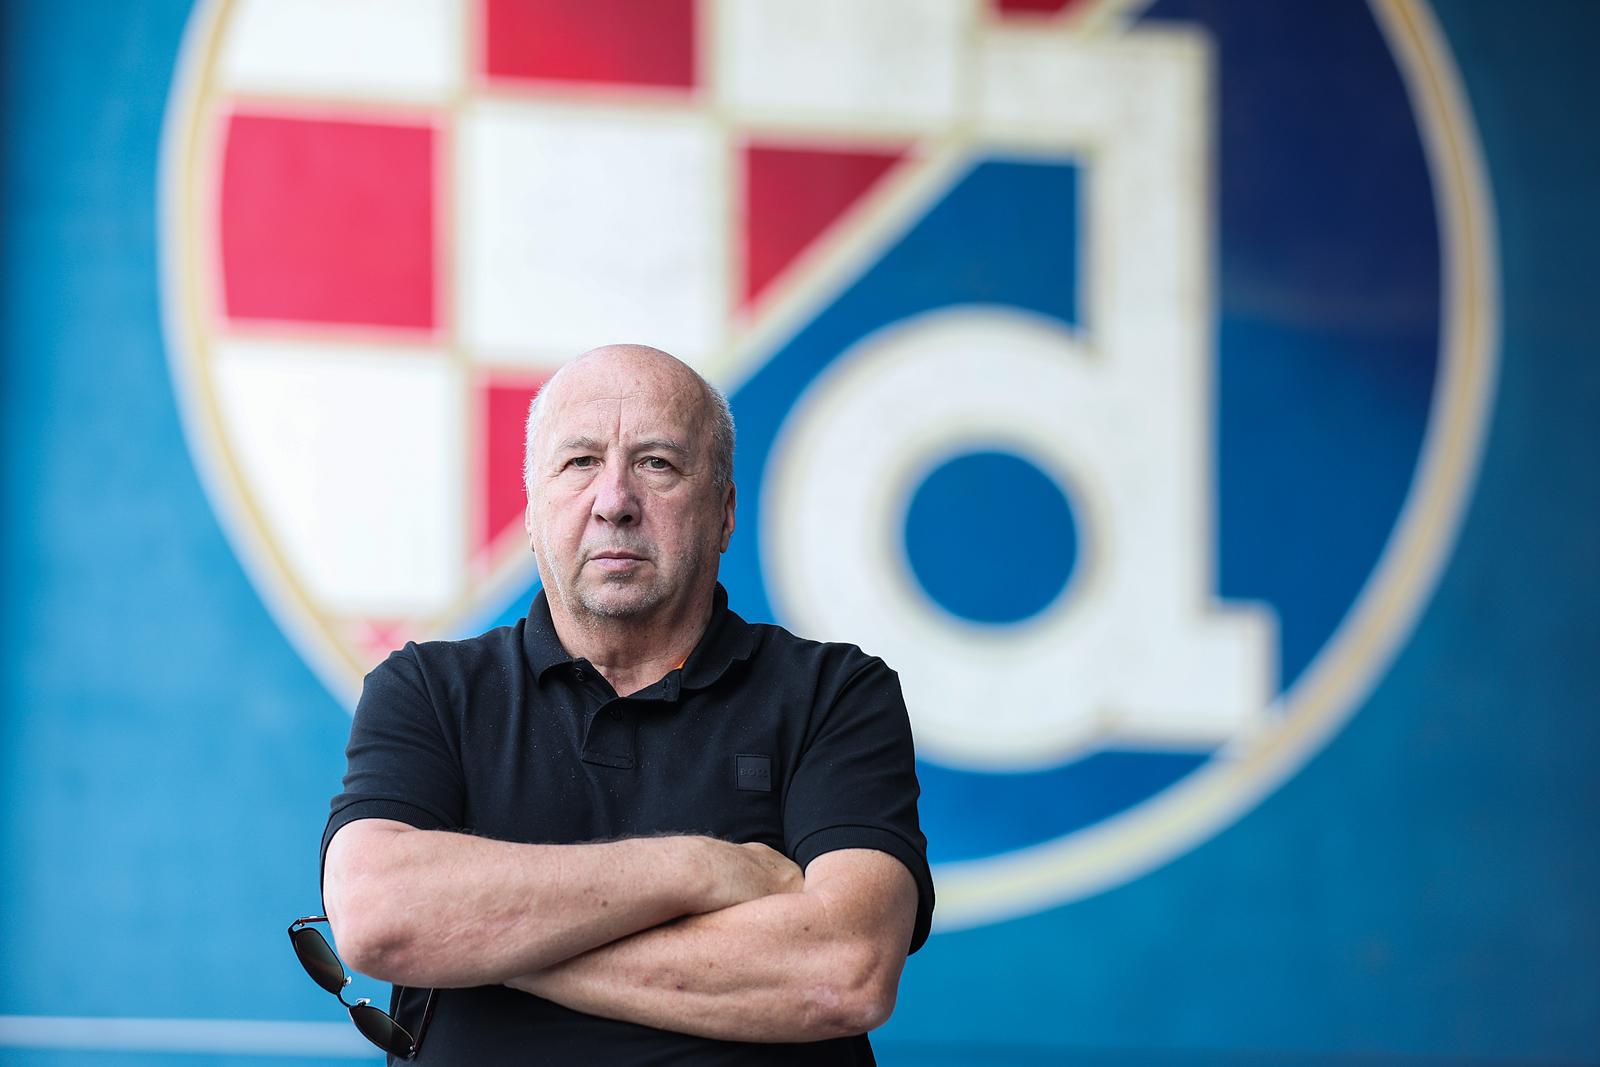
{"type": "Point", "coordinates": [324, 967]}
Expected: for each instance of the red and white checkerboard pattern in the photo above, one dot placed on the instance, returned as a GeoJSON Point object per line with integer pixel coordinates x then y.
{"type": "Point", "coordinates": [422, 208]}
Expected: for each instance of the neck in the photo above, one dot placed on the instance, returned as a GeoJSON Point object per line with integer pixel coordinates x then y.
{"type": "Point", "coordinates": [633, 653]}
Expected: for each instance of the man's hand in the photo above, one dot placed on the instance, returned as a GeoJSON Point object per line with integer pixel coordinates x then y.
{"type": "Point", "coordinates": [824, 962]}
{"type": "Point", "coordinates": [431, 908]}
{"type": "Point", "coordinates": [749, 872]}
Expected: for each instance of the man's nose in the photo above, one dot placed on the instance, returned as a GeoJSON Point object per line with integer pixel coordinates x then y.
{"type": "Point", "coordinates": [615, 500]}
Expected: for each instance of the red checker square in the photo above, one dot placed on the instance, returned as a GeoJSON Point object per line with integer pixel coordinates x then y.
{"type": "Point", "coordinates": [1030, 7]}
{"type": "Point", "coordinates": [622, 42]}
{"type": "Point", "coordinates": [503, 403]}
{"type": "Point", "coordinates": [328, 221]}
{"type": "Point", "coordinates": [793, 195]}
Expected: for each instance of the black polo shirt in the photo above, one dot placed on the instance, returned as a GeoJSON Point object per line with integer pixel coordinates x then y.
{"type": "Point", "coordinates": [759, 736]}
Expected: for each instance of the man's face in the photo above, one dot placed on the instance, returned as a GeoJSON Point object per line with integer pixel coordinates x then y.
{"type": "Point", "coordinates": [622, 511]}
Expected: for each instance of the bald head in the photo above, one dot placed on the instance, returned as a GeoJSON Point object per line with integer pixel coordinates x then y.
{"type": "Point", "coordinates": [628, 465]}
{"type": "Point", "coordinates": [637, 368]}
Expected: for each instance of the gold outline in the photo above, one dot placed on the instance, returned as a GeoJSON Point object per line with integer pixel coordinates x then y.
{"type": "Point", "coordinates": [1346, 668]}
{"type": "Point", "coordinates": [193, 135]}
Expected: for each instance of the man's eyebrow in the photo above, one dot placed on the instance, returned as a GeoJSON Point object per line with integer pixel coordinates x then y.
{"type": "Point", "coordinates": [651, 444]}
{"type": "Point", "coordinates": [660, 444]}
{"type": "Point", "coordinates": [586, 443]}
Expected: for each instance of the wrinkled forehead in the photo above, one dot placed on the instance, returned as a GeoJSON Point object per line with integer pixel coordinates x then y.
{"type": "Point", "coordinates": [625, 400]}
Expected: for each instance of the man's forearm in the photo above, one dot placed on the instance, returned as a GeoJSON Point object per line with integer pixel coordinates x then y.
{"type": "Point", "coordinates": [793, 967]}
{"type": "Point", "coordinates": [431, 908]}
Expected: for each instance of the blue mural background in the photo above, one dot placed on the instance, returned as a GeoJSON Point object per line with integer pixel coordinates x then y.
{"type": "Point", "coordinates": [1424, 891]}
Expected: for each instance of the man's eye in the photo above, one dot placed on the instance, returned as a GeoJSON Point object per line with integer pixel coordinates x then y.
{"type": "Point", "coordinates": [581, 461]}
{"type": "Point", "coordinates": [656, 463]}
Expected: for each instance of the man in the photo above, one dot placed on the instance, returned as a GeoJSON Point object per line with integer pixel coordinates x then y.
{"type": "Point", "coordinates": [632, 828]}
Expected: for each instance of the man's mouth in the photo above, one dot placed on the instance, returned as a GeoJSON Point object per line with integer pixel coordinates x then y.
{"type": "Point", "coordinates": [616, 560]}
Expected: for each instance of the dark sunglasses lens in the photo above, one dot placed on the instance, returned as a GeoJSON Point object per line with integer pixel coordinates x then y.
{"type": "Point", "coordinates": [318, 960]}
{"type": "Point", "coordinates": [382, 1030]}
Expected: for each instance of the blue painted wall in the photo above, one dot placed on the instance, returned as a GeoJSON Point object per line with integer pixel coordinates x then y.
{"type": "Point", "coordinates": [1424, 891]}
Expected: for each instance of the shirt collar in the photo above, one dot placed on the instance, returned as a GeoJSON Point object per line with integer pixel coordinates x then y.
{"type": "Point", "coordinates": [727, 640]}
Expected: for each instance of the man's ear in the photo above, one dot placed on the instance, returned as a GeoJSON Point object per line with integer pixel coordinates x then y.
{"type": "Point", "coordinates": [527, 521]}
{"type": "Point", "coordinates": [727, 518]}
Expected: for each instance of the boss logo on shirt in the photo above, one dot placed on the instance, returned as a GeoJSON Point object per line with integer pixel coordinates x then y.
{"type": "Point", "coordinates": [753, 773]}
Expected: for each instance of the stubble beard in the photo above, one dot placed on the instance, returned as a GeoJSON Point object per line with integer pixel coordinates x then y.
{"type": "Point", "coordinates": [615, 597]}
{"type": "Point", "coordinates": [621, 596]}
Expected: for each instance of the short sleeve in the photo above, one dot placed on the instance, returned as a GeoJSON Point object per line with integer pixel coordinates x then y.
{"type": "Point", "coordinates": [855, 783]}
{"type": "Point", "coordinates": [401, 763]}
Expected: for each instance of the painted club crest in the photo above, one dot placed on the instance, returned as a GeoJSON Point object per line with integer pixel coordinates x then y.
{"type": "Point", "coordinates": [1115, 370]}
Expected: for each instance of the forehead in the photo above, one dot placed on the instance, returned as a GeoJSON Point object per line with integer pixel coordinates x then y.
{"type": "Point", "coordinates": [624, 398]}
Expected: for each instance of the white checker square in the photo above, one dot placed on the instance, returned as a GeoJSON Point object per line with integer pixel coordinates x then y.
{"type": "Point", "coordinates": [585, 225]}
{"type": "Point", "coordinates": [355, 457]}
{"type": "Point", "coordinates": [393, 49]}
{"type": "Point", "coordinates": [865, 62]}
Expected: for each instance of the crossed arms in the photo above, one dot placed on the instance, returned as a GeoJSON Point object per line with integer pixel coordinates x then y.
{"type": "Point", "coordinates": [690, 934]}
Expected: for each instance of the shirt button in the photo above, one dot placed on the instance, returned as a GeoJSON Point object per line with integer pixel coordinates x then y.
{"type": "Point", "coordinates": [616, 714]}
{"type": "Point", "coordinates": [579, 672]}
